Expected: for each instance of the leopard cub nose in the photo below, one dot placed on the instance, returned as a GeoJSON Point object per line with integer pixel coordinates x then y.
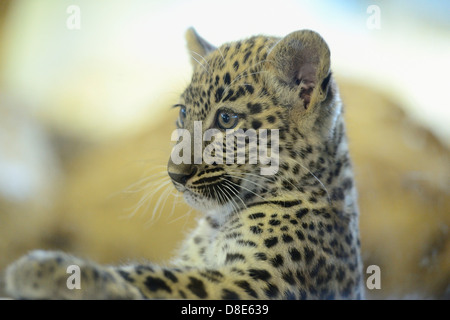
{"type": "Point", "coordinates": [182, 178]}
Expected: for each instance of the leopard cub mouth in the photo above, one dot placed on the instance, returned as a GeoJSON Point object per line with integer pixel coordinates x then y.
{"type": "Point", "coordinates": [209, 188]}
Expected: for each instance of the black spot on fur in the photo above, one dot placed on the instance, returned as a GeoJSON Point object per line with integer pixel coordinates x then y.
{"type": "Point", "coordinates": [277, 261]}
{"type": "Point", "coordinates": [257, 215]}
{"type": "Point", "coordinates": [249, 88]}
{"type": "Point", "coordinates": [287, 185]}
{"type": "Point", "coordinates": [254, 108]}
{"type": "Point", "coordinates": [337, 194]}
{"type": "Point", "coordinates": [270, 242]}
{"type": "Point", "coordinates": [302, 212]}
{"type": "Point", "coordinates": [247, 243]}
{"type": "Point", "coordinates": [315, 270]}
{"type": "Point", "coordinates": [232, 257]}
{"type": "Point", "coordinates": [274, 222]}
{"type": "Point", "coordinates": [141, 269]}
{"type": "Point", "coordinates": [286, 204]}
{"type": "Point", "coordinates": [340, 275]}
{"type": "Point", "coordinates": [125, 275]}
{"type": "Point", "coordinates": [219, 94]}
{"type": "Point", "coordinates": [236, 65]}
{"type": "Point", "coordinates": [312, 239]}
{"type": "Point", "coordinates": [301, 277]}
{"type": "Point", "coordinates": [312, 199]}
{"type": "Point", "coordinates": [295, 254]}
{"type": "Point", "coordinates": [212, 223]}
{"type": "Point", "coordinates": [197, 287]}
{"type": "Point", "coordinates": [260, 256]}
{"type": "Point", "coordinates": [229, 95]}
{"type": "Point", "coordinates": [227, 78]}
{"type": "Point", "coordinates": [197, 240]}
{"type": "Point", "coordinates": [271, 291]}
{"type": "Point", "coordinates": [94, 273]}
{"type": "Point", "coordinates": [259, 274]}
{"type": "Point", "coordinates": [229, 295]}
{"type": "Point", "coordinates": [303, 294]}
{"type": "Point", "coordinates": [247, 55]}
{"type": "Point", "coordinates": [256, 229]}
{"type": "Point", "coordinates": [169, 275]}
{"type": "Point", "coordinates": [289, 295]}
{"type": "Point", "coordinates": [300, 235]}
{"type": "Point", "coordinates": [309, 254]}
{"type": "Point", "coordinates": [287, 238]}
{"type": "Point", "coordinates": [247, 288]}
{"type": "Point", "coordinates": [347, 184]}
{"type": "Point", "coordinates": [289, 277]}
{"type": "Point", "coordinates": [154, 284]}
{"type": "Point", "coordinates": [347, 289]}
{"type": "Point", "coordinates": [212, 275]}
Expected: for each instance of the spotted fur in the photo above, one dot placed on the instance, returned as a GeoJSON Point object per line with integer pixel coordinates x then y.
{"type": "Point", "coordinates": [291, 235]}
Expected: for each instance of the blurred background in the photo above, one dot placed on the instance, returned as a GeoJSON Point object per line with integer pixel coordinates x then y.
{"type": "Point", "coordinates": [85, 120]}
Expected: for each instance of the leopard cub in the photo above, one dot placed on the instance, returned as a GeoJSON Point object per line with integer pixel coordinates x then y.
{"type": "Point", "coordinates": [286, 233]}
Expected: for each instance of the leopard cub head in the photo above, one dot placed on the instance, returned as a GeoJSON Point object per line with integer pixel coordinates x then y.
{"type": "Point", "coordinates": [253, 108]}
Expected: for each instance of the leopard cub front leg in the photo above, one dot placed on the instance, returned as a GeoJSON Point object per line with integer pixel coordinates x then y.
{"type": "Point", "coordinates": [52, 275]}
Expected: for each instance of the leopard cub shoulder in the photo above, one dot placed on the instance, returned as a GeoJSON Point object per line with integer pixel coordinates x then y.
{"type": "Point", "coordinates": [269, 169]}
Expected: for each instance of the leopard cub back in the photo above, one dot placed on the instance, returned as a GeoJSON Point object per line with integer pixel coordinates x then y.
{"type": "Point", "coordinates": [262, 154]}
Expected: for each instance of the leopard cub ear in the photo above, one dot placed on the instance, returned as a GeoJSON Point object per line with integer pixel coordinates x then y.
{"type": "Point", "coordinates": [197, 46]}
{"type": "Point", "coordinates": [300, 67]}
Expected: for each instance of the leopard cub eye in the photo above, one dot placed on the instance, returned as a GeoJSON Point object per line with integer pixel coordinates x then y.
{"type": "Point", "coordinates": [227, 120]}
{"type": "Point", "coordinates": [181, 116]}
